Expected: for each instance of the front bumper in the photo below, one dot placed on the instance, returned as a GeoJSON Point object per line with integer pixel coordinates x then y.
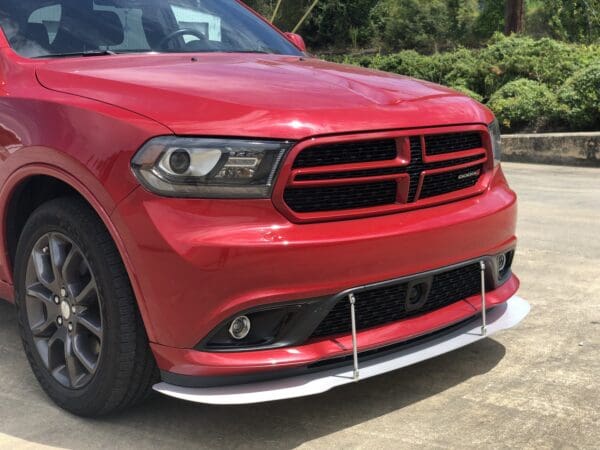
{"type": "Point", "coordinates": [501, 317]}
{"type": "Point", "coordinates": [196, 263]}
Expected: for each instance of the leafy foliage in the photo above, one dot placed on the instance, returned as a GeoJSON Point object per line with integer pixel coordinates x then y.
{"type": "Point", "coordinates": [429, 25]}
{"type": "Point", "coordinates": [423, 26]}
{"type": "Point", "coordinates": [518, 77]}
{"type": "Point", "coordinates": [524, 103]}
{"type": "Point", "coordinates": [581, 95]}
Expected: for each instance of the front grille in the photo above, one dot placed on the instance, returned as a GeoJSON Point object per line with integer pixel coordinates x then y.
{"type": "Point", "coordinates": [387, 304]}
{"type": "Point", "coordinates": [446, 182]}
{"type": "Point", "coordinates": [346, 153]}
{"type": "Point", "coordinates": [323, 188]}
{"type": "Point", "coordinates": [439, 144]}
{"type": "Point", "coordinates": [335, 198]}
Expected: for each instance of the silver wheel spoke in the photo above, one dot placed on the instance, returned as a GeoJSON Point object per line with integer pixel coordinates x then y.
{"type": "Point", "coordinates": [57, 336]}
{"type": "Point", "coordinates": [41, 328]}
{"type": "Point", "coordinates": [43, 269]}
{"type": "Point", "coordinates": [90, 325]}
{"type": "Point", "coordinates": [85, 361]}
{"type": "Point", "coordinates": [87, 294]}
{"type": "Point", "coordinates": [71, 362]}
{"type": "Point", "coordinates": [58, 255]}
{"type": "Point", "coordinates": [71, 265]}
{"type": "Point", "coordinates": [54, 343]}
{"type": "Point", "coordinates": [40, 292]}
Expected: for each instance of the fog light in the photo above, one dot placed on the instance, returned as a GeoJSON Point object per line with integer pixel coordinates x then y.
{"type": "Point", "coordinates": [501, 261]}
{"type": "Point", "coordinates": [240, 327]}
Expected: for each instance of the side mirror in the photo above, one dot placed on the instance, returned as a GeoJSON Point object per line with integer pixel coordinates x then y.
{"type": "Point", "coordinates": [297, 40]}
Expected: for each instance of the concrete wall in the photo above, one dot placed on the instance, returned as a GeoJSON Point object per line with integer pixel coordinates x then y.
{"type": "Point", "coordinates": [579, 149]}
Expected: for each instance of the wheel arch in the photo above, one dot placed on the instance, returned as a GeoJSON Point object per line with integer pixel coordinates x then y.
{"type": "Point", "coordinates": [33, 185]}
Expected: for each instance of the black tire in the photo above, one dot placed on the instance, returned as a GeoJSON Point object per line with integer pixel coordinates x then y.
{"type": "Point", "coordinates": [125, 369]}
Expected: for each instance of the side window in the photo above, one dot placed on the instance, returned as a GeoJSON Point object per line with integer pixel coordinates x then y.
{"type": "Point", "coordinates": [207, 24]}
{"type": "Point", "coordinates": [49, 18]}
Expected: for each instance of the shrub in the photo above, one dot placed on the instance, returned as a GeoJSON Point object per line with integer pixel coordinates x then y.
{"type": "Point", "coordinates": [461, 68]}
{"type": "Point", "coordinates": [524, 104]}
{"type": "Point", "coordinates": [497, 74]}
{"type": "Point", "coordinates": [511, 58]}
{"type": "Point", "coordinates": [581, 95]}
{"type": "Point", "coordinates": [409, 63]}
{"type": "Point", "coordinates": [465, 90]}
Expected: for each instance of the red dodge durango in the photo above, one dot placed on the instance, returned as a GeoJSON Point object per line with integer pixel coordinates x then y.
{"type": "Point", "coordinates": [193, 204]}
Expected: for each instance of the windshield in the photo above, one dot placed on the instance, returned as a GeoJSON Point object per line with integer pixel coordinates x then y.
{"type": "Point", "coordinates": [46, 28]}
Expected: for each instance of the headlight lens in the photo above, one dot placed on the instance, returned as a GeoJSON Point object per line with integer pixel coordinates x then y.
{"type": "Point", "coordinates": [496, 141]}
{"type": "Point", "coordinates": [209, 168]}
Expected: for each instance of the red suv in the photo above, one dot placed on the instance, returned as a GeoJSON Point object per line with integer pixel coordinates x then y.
{"type": "Point", "coordinates": [191, 202]}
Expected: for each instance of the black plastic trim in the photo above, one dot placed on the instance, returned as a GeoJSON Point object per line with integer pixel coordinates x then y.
{"type": "Point", "coordinates": [318, 366]}
{"type": "Point", "coordinates": [315, 310]}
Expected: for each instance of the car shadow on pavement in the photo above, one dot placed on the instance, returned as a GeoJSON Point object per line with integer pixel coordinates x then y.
{"type": "Point", "coordinates": [164, 422]}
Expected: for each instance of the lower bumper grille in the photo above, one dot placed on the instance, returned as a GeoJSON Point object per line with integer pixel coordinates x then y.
{"type": "Point", "coordinates": [391, 303]}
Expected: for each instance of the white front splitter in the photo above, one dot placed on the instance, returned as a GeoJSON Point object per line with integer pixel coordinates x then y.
{"type": "Point", "coordinates": [500, 318]}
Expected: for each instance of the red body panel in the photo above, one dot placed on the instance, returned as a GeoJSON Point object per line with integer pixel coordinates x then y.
{"type": "Point", "coordinates": [194, 363]}
{"type": "Point", "coordinates": [266, 96]}
{"type": "Point", "coordinates": [234, 256]}
{"type": "Point", "coordinates": [193, 262]}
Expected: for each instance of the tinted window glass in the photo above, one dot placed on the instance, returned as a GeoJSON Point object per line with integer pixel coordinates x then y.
{"type": "Point", "coordinates": [38, 28]}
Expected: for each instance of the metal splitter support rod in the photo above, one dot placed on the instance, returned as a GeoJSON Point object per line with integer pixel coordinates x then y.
{"type": "Point", "coordinates": [352, 299]}
{"type": "Point", "coordinates": [483, 302]}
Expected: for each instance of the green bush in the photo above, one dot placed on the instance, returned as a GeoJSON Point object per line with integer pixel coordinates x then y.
{"type": "Point", "coordinates": [511, 58]}
{"type": "Point", "coordinates": [581, 96]}
{"type": "Point", "coordinates": [409, 63]}
{"type": "Point", "coordinates": [524, 104]}
{"type": "Point", "coordinates": [465, 90]}
{"type": "Point", "coordinates": [518, 76]}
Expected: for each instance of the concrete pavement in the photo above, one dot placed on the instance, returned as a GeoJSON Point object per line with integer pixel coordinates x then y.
{"type": "Point", "coordinates": [537, 386]}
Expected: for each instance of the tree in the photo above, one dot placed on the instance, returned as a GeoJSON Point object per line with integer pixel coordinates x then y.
{"type": "Point", "coordinates": [412, 24]}
{"type": "Point", "coordinates": [570, 20]}
{"type": "Point", "coordinates": [463, 18]}
{"type": "Point", "coordinates": [514, 16]}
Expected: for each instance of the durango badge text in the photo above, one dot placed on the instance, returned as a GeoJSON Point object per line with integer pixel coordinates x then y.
{"type": "Point", "coordinates": [194, 204]}
{"type": "Point", "coordinates": [471, 174]}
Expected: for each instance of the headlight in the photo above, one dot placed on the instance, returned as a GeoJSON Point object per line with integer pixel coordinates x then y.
{"type": "Point", "coordinates": [496, 141]}
{"type": "Point", "coordinates": [209, 168]}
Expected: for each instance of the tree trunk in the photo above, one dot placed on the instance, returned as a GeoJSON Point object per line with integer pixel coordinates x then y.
{"type": "Point", "coordinates": [514, 16]}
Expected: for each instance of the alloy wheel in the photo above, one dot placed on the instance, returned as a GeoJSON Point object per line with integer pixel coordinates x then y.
{"type": "Point", "coordinates": [64, 310]}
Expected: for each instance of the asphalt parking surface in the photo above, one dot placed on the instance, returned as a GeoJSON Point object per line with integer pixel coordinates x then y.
{"type": "Point", "coordinates": [537, 386]}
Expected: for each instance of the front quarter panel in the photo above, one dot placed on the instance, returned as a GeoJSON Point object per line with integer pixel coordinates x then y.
{"type": "Point", "coordinates": [83, 142]}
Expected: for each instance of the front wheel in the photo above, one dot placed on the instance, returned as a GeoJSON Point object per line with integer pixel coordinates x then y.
{"type": "Point", "coordinates": [79, 322]}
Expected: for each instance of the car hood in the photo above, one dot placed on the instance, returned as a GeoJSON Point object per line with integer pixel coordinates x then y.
{"type": "Point", "coordinates": [255, 95]}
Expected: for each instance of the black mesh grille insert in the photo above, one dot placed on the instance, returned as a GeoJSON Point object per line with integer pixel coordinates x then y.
{"type": "Point", "coordinates": [346, 153]}
{"type": "Point", "coordinates": [383, 305]}
{"type": "Point", "coordinates": [444, 183]}
{"type": "Point", "coordinates": [439, 144]}
{"type": "Point", "coordinates": [335, 198]}
{"type": "Point", "coordinates": [375, 193]}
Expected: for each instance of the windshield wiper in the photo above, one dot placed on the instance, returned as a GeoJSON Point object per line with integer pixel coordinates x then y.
{"type": "Point", "coordinates": [87, 53]}
{"type": "Point", "coordinates": [262, 52]}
